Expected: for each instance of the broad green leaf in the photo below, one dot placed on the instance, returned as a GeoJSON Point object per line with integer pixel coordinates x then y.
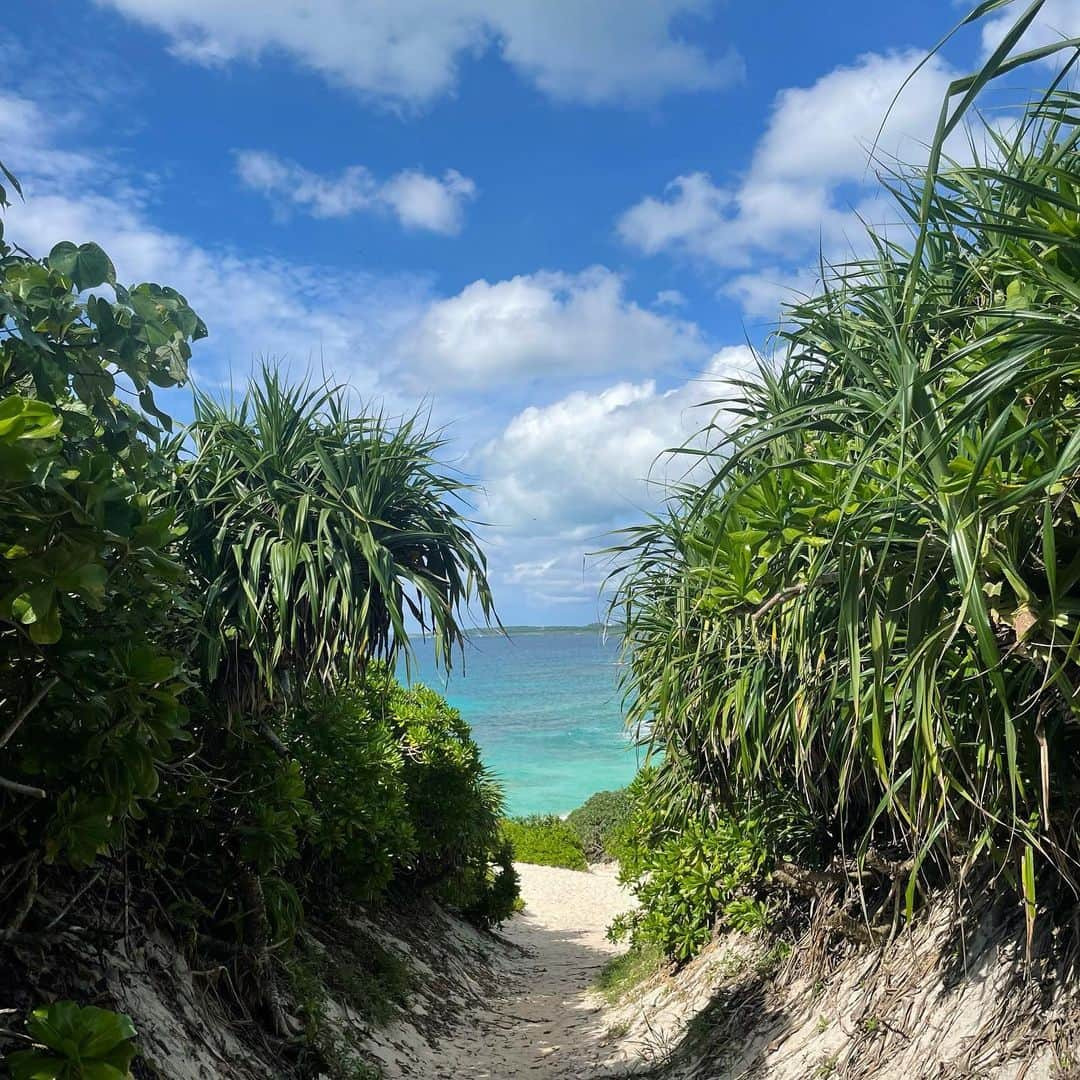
{"type": "Point", "coordinates": [86, 264]}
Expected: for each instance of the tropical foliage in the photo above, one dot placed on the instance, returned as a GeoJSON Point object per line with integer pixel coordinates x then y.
{"type": "Point", "coordinates": [315, 534]}
{"type": "Point", "coordinates": [545, 840]}
{"type": "Point", "coordinates": [75, 1042]}
{"type": "Point", "coordinates": [197, 637]}
{"type": "Point", "coordinates": [697, 873]}
{"type": "Point", "coordinates": [89, 674]}
{"type": "Point", "coordinates": [598, 822]}
{"type": "Point", "coordinates": [865, 601]}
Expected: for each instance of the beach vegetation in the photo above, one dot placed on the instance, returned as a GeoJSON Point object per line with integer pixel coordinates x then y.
{"type": "Point", "coordinates": [545, 840]}
{"type": "Point", "coordinates": [858, 612]}
{"type": "Point", "coordinates": [694, 880]}
{"type": "Point", "coordinates": [623, 973]}
{"type": "Point", "coordinates": [197, 634]}
{"type": "Point", "coordinates": [598, 822]}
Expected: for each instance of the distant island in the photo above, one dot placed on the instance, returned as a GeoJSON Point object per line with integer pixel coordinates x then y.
{"type": "Point", "coordinates": [520, 631]}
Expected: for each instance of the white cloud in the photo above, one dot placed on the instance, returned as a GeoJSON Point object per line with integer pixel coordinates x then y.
{"type": "Point", "coordinates": [692, 210]}
{"type": "Point", "coordinates": [417, 200]}
{"type": "Point", "coordinates": [542, 325]}
{"type": "Point", "coordinates": [761, 292]}
{"type": "Point", "coordinates": [576, 466]}
{"type": "Point", "coordinates": [25, 149]}
{"type": "Point", "coordinates": [427, 202]}
{"type": "Point", "coordinates": [254, 306]}
{"type": "Point", "coordinates": [408, 51]}
{"type": "Point", "coordinates": [559, 477]}
{"type": "Point", "coordinates": [824, 132]}
{"type": "Point", "coordinates": [20, 119]}
{"type": "Point", "coordinates": [810, 178]}
{"type": "Point", "coordinates": [669, 298]}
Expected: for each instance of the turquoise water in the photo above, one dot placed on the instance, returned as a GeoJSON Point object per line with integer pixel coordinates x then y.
{"type": "Point", "coordinates": [545, 708]}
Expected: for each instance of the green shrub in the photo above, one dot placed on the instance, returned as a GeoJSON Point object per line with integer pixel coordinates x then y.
{"type": "Point", "coordinates": [454, 803]}
{"type": "Point", "coordinates": [488, 895]}
{"type": "Point", "coordinates": [401, 795]}
{"type": "Point", "coordinates": [696, 874]}
{"type": "Point", "coordinates": [353, 772]}
{"type": "Point", "coordinates": [597, 821]}
{"type": "Point", "coordinates": [91, 601]}
{"type": "Point", "coordinates": [75, 1042]}
{"type": "Point", "coordinates": [545, 840]}
{"type": "Point", "coordinates": [696, 880]}
{"type": "Point", "coordinates": [867, 590]}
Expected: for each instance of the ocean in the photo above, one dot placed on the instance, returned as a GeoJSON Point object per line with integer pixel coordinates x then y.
{"type": "Point", "coordinates": [544, 705]}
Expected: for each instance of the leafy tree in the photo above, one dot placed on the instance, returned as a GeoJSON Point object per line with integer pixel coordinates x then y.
{"type": "Point", "coordinates": [316, 535]}
{"type": "Point", "coordinates": [89, 677]}
{"type": "Point", "coordinates": [313, 535]}
{"type": "Point", "coordinates": [870, 602]}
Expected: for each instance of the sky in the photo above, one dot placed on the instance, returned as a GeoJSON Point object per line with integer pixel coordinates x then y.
{"type": "Point", "coordinates": [557, 227]}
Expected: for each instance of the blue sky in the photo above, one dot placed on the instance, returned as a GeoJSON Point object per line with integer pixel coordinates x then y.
{"type": "Point", "coordinates": [555, 224]}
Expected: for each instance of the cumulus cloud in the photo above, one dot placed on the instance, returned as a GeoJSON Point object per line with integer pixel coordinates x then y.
{"type": "Point", "coordinates": [409, 51]}
{"type": "Point", "coordinates": [545, 324]}
{"type": "Point", "coordinates": [761, 292]}
{"type": "Point", "coordinates": [254, 305]}
{"type": "Point", "coordinates": [417, 200]}
{"type": "Point", "coordinates": [559, 477]}
{"type": "Point", "coordinates": [585, 461]}
{"type": "Point", "coordinates": [810, 182]}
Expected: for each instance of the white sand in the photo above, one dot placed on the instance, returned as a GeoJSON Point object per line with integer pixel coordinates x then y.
{"type": "Point", "coordinates": [544, 1023]}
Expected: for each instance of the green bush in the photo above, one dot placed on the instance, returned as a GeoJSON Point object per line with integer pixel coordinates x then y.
{"type": "Point", "coordinates": [696, 874]}
{"type": "Point", "coordinates": [597, 821]}
{"type": "Point", "coordinates": [353, 773]}
{"type": "Point", "coordinates": [91, 602]}
{"type": "Point", "coordinates": [545, 840]}
{"type": "Point", "coordinates": [75, 1042]}
{"type": "Point", "coordinates": [488, 895]}
{"type": "Point", "coordinates": [401, 795]}
{"type": "Point", "coordinates": [695, 881]}
{"type": "Point", "coordinates": [866, 592]}
{"type": "Point", "coordinates": [453, 802]}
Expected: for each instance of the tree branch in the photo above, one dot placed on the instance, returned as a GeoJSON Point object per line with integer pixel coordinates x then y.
{"type": "Point", "coordinates": [784, 595]}
{"type": "Point", "coordinates": [21, 789]}
{"type": "Point", "coordinates": [31, 705]}
{"type": "Point", "coordinates": [275, 741]}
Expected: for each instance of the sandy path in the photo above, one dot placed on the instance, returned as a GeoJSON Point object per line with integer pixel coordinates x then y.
{"type": "Point", "coordinates": [544, 1023]}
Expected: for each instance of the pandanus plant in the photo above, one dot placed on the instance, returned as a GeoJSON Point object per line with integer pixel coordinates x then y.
{"type": "Point", "coordinates": [321, 538]}
{"type": "Point", "coordinates": [873, 599]}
